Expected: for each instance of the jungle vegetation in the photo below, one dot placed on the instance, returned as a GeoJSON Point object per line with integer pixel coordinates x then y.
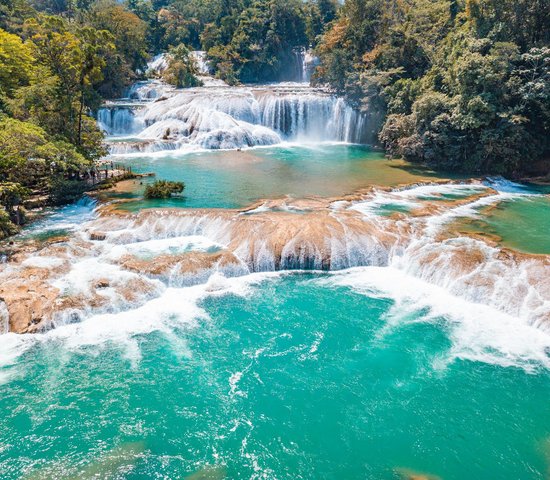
{"type": "Point", "coordinates": [456, 84]}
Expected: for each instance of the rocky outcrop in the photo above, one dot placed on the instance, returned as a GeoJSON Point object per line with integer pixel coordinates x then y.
{"type": "Point", "coordinates": [97, 236]}
{"type": "Point", "coordinates": [29, 302]}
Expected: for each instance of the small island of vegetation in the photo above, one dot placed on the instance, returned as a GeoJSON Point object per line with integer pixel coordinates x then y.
{"type": "Point", "coordinates": [163, 189]}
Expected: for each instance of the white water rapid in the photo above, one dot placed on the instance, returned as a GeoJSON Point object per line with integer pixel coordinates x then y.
{"type": "Point", "coordinates": [120, 267]}
{"type": "Point", "coordinates": [156, 117]}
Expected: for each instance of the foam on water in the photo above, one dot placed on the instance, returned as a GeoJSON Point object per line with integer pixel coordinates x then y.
{"type": "Point", "coordinates": [496, 298]}
{"type": "Point", "coordinates": [507, 186]}
{"type": "Point", "coordinates": [478, 332]}
{"type": "Point", "coordinates": [220, 117]}
{"type": "Point", "coordinates": [42, 262]}
{"type": "Point", "coordinates": [66, 219]}
{"type": "Point", "coordinates": [171, 307]}
{"type": "Point", "coordinates": [158, 64]}
{"type": "Point", "coordinates": [4, 318]}
{"type": "Point", "coordinates": [171, 246]}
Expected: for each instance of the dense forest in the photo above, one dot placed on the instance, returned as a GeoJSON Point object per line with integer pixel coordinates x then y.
{"type": "Point", "coordinates": [458, 85]}
{"type": "Point", "coordinates": [462, 85]}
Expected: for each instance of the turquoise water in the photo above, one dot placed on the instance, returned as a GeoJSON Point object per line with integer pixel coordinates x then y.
{"type": "Point", "coordinates": [522, 223]}
{"type": "Point", "coordinates": [234, 179]}
{"type": "Point", "coordinates": [519, 218]}
{"type": "Point", "coordinates": [297, 376]}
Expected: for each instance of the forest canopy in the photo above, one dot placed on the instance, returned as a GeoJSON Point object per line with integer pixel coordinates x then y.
{"type": "Point", "coordinates": [462, 85]}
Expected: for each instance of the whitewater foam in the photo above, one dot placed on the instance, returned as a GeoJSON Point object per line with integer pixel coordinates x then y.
{"type": "Point", "coordinates": [477, 331]}
{"type": "Point", "coordinates": [222, 117]}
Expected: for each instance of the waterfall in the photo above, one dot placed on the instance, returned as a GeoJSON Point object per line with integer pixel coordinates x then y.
{"type": "Point", "coordinates": [304, 64]}
{"type": "Point", "coordinates": [4, 318]}
{"type": "Point", "coordinates": [148, 90]}
{"type": "Point", "coordinates": [157, 65]}
{"type": "Point", "coordinates": [312, 116]}
{"type": "Point", "coordinates": [142, 253]}
{"type": "Point", "coordinates": [158, 117]}
{"type": "Point", "coordinates": [202, 64]}
{"type": "Point", "coordinates": [299, 64]}
{"type": "Point", "coordinates": [118, 120]}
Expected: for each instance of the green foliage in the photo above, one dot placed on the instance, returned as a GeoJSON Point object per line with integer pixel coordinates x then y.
{"type": "Point", "coordinates": [7, 227]}
{"type": "Point", "coordinates": [246, 40]}
{"type": "Point", "coordinates": [11, 197]}
{"type": "Point", "coordinates": [163, 189]}
{"type": "Point", "coordinates": [465, 86]}
{"type": "Point", "coordinates": [63, 191]}
{"type": "Point", "coordinates": [28, 154]}
{"type": "Point", "coordinates": [75, 57]}
{"type": "Point", "coordinates": [181, 71]}
{"type": "Point", "coordinates": [129, 35]}
{"type": "Point", "coordinates": [16, 63]}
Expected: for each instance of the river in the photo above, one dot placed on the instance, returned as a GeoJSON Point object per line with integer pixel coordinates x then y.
{"type": "Point", "coordinates": [307, 309]}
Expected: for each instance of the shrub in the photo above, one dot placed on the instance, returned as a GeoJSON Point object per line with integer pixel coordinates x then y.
{"type": "Point", "coordinates": [163, 189]}
{"type": "Point", "coordinates": [64, 191]}
{"type": "Point", "coordinates": [7, 227]}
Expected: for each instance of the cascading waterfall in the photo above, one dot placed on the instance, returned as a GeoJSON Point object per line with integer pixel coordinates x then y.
{"type": "Point", "coordinates": [299, 64]}
{"type": "Point", "coordinates": [202, 64]}
{"type": "Point", "coordinates": [4, 318]}
{"type": "Point", "coordinates": [157, 117]}
{"type": "Point", "coordinates": [147, 90]}
{"type": "Point", "coordinates": [231, 117]}
{"type": "Point", "coordinates": [118, 120]}
{"type": "Point", "coordinates": [304, 64]}
{"type": "Point", "coordinates": [311, 116]}
{"type": "Point", "coordinates": [183, 247]}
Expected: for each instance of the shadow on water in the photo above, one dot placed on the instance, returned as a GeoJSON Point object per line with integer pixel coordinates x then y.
{"type": "Point", "coordinates": [425, 172]}
{"type": "Point", "coordinates": [114, 463]}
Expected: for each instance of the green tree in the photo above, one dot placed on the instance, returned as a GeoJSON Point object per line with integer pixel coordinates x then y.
{"type": "Point", "coordinates": [75, 59]}
{"type": "Point", "coordinates": [182, 69]}
{"type": "Point", "coordinates": [16, 63]}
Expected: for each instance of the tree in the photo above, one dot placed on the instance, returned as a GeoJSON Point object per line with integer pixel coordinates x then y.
{"type": "Point", "coordinates": [464, 86]}
{"type": "Point", "coordinates": [127, 29]}
{"type": "Point", "coordinates": [182, 70]}
{"type": "Point", "coordinates": [28, 155]}
{"type": "Point", "coordinates": [16, 63]}
{"type": "Point", "coordinates": [11, 197]}
{"type": "Point", "coordinates": [75, 61]}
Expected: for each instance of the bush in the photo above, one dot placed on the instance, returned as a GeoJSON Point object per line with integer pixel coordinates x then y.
{"type": "Point", "coordinates": [64, 191]}
{"type": "Point", "coordinates": [182, 70]}
{"type": "Point", "coordinates": [163, 189]}
{"type": "Point", "coordinates": [7, 227]}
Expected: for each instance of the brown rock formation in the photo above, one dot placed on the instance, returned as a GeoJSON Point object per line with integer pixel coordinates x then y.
{"type": "Point", "coordinates": [311, 233]}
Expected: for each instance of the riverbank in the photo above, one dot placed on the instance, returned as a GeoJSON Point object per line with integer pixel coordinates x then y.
{"type": "Point", "coordinates": [104, 177]}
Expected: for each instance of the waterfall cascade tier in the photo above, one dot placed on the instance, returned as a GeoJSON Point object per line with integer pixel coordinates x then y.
{"type": "Point", "coordinates": [306, 63]}
{"type": "Point", "coordinates": [223, 117]}
{"type": "Point", "coordinates": [116, 262]}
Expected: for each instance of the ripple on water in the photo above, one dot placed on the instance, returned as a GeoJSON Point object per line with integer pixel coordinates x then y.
{"type": "Point", "coordinates": [282, 376]}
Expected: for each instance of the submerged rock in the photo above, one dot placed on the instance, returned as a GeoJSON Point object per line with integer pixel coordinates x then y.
{"type": "Point", "coordinates": [210, 472]}
{"type": "Point", "coordinates": [406, 474]}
